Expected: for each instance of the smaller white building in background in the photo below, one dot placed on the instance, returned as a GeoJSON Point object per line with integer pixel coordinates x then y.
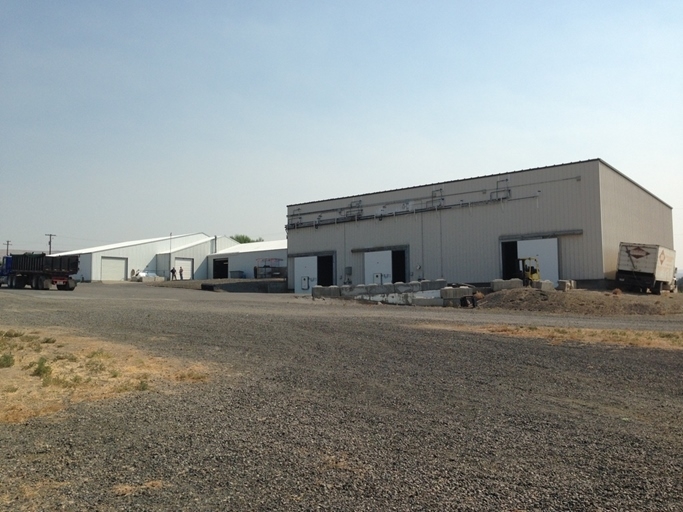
{"type": "Point", "coordinates": [267, 259]}
{"type": "Point", "coordinates": [117, 262]}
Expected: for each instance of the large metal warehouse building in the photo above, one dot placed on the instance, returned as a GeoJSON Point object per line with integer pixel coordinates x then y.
{"type": "Point", "coordinates": [571, 216]}
{"type": "Point", "coordinates": [115, 262]}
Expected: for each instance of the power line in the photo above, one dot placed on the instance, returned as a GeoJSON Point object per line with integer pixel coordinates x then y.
{"type": "Point", "coordinates": [8, 243]}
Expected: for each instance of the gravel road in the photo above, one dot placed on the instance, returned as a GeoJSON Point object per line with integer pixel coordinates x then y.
{"type": "Point", "coordinates": [331, 405]}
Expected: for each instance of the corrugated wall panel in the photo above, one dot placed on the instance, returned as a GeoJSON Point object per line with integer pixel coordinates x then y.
{"type": "Point", "coordinates": [461, 240]}
{"type": "Point", "coordinates": [630, 214]}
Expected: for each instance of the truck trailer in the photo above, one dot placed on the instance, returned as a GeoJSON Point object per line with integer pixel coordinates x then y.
{"type": "Point", "coordinates": [643, 267]}
{"type": "Point", "coordinates": [39, 271]}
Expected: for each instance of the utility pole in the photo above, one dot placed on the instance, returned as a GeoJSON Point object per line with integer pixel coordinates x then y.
{"type": "Point", "coordinates": [8, 243]}
{"type": "Point", "coordinates": [50, 242]}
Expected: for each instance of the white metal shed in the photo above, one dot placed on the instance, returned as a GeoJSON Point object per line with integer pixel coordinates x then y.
{"type": "Point", "coordinates": [116, 262]}
{"type": "Point", "coordinates": [243, 260]}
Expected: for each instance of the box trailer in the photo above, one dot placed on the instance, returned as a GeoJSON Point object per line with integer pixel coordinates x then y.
{"type": "Point", "coordinates": [643, 267]}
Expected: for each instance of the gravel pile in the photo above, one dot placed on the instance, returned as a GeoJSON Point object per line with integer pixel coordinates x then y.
{"type": "Point", "coordinates": [331, 405]}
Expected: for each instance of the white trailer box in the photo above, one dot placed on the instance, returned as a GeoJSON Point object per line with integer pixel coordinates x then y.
{"type": "Point", "coordinates": [646, 266]}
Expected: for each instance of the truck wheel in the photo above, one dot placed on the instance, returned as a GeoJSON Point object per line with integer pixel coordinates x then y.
{"type": "Point", "coordinates": [10, 282]}
{"type": "Point", "coordinates": [657, 289]}
{"type": "Point", "coordinates": [44, 282]}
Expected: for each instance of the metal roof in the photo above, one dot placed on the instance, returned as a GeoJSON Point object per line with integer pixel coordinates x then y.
{"type": "Point", "coordinates": [274, 245]}
{"type": "Point", "coordinates": [121, 245]}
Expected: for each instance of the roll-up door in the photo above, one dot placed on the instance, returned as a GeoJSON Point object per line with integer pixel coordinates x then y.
{"type": "Point", "coordinates": [187, 264]}
{"type": "Point", "coordinates": [114, 269]}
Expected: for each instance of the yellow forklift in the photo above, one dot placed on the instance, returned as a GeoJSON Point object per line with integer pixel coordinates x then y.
{"type": "Point", "coordinates": [528, 270]}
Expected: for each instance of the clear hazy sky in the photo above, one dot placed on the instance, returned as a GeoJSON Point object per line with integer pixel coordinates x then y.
{"type": "Point", "coordinates": [122, 120]}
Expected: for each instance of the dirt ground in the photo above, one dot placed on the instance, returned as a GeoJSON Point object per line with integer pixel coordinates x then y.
{"type": "Point", "coordinates": [584, 302]}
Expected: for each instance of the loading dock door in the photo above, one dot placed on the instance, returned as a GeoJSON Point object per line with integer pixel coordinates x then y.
{"type": "Point", "coordinates": [378, 267]}
{"type": "Point", "coordinates": [305, 274]}
{"type": "Point", "coordinates": [188, 267]}
{"type": "Point", "coordinates": [546, 251]}
{"type": "Point", "coordinates": [114, 269]}
{"type": "Point", "coordinates": [220, 268]}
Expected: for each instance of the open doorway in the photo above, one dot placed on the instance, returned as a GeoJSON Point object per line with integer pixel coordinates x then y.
{"type": "Point", "coordinates": [545, 250]}
{"type": "Point", "coordinates": [220, 269]}
{"type": "Point", "coordinates": [325, 270]}
{"type": "Point", "coordinates": [398, 266]}
{"type": "Point", "coordinates": [509, 254]}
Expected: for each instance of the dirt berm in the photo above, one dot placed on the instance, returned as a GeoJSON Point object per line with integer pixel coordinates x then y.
{"type": "Point", "coordinates": [584, 302]}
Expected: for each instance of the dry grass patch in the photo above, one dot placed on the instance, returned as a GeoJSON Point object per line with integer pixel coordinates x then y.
{"type": "Point", "coordinates": [555, 335]}
{"type": "Point", "coordinates": [43, 372]}
{"type": "Point", "coordinates": [17, 489]}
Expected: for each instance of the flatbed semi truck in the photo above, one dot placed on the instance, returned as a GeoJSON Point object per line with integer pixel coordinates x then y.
{"type": "Point", "coordinates": [39, 271]}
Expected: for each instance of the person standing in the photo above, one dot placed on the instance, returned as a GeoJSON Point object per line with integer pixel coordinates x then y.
{"type": "Point", "coordinates": [173, 277]}
{"type": "Point", "coordinates": [180, 271]}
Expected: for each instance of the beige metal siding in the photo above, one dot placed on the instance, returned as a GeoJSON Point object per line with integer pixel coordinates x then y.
{"type": "Point", "coordinates": [454, 230]}
{"type": "Point", "coordinates": [630, 214]}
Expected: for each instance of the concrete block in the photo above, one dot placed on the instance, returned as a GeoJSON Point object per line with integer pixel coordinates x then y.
{"type": "Point", "coordinates": [546, 286]}
{"type": "Point", "coordinates": [371, 289]}
{"type": "Point", "coordinates": [435, 284]}
{"type": "Point", "coordinates": [383, 288]}
{"type": "Point", "coordinates": [411, 287]}
{"type": "Point", "coordinates": [401, 299]}
{"type": "Point", "coordinates": [379, 289]}
{"type": "Point", "coordinates": [455, 293]}
{"type": "Point", "coordinates": [427, 301]}
{"type": "Point", "coordinates": [564, 285]}
{"type": "Point", "coordinates": [353, 291]}
{"type": "Point", "coordinates": [325, 291]}
{"type": "Point", "coordinates": [506, 284]}
{"type": "Point", "coordinates": [432, 294]}
{"type": "Point", "coordinates": [468, 301]}
{"type": "Point", "coordinates": [390, 288]}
